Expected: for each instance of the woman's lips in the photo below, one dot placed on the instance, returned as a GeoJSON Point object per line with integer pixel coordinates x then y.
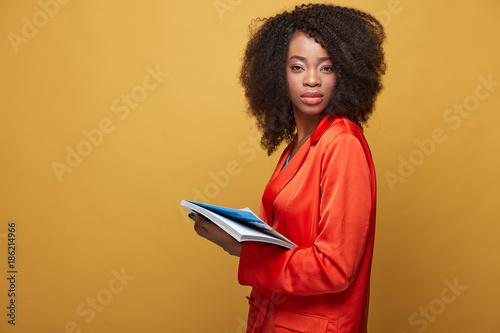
{"type": "Point", "coordinates": [311, 97]}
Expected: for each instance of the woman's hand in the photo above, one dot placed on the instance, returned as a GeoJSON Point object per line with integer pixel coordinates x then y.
{"type": "Point", "coordinates": [209, 230]}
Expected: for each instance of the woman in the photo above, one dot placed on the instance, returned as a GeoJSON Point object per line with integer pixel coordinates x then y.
{"type": "Point", "coordinates": [311, 77]}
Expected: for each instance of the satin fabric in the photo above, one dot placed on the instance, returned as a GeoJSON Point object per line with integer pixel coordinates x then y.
{"type": "Point", "coordinates": [324, 201]}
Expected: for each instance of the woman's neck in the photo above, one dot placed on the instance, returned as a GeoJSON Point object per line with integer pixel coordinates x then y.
{"type": "Point", "coordinates": [306, 124]}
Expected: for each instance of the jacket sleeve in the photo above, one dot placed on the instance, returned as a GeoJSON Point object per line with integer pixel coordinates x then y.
{"type": "Point", "coordinates": [331, 264]}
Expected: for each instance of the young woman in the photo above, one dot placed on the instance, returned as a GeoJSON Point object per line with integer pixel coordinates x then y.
{"type": "Point", "coordinates": [311, 77]}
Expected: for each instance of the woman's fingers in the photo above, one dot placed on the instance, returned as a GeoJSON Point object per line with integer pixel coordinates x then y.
{"type": "Point", "coordinates": [198, 226]}
{"type": "Point", "coordinates": [210, 231]}
{"type": "Point", "coordinates": [202, 226]}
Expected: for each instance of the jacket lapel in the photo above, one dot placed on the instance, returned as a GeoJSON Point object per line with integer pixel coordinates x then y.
{"type": "Point", "coordinates": [282, 176]}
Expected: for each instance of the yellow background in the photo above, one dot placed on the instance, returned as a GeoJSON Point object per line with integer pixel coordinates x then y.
{"type": "Point", "coordinates": [117, 211]}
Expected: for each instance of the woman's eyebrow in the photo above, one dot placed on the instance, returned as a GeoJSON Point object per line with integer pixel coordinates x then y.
{"type": "Point", "coordinates": [298, 57]}
{"type": "Point", "coordinates": [304, 59]}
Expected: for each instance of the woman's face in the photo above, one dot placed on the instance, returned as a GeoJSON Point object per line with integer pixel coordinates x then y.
{"type": "Point", "coordinates": [310, 75]}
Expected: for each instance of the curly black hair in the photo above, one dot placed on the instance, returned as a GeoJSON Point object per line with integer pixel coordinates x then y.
{"type": "Point", "coordinates": [353, 40]}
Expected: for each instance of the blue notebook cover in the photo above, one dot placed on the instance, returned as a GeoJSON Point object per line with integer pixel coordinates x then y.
{"type": "Point", "coordinates": [224, 217]}
{"type": "Point", "coordinates": [241, 216]}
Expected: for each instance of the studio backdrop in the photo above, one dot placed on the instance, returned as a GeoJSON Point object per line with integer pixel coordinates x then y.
{"type": "Point", "coordinates": [115, 111]}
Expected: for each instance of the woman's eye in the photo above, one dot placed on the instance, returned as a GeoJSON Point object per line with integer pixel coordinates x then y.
{"type": "Point", "coordinates": [295, 68]}
{"type": "Point", "coordinates": [328, 69]}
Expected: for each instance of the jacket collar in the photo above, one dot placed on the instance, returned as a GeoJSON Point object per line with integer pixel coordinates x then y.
{"type": "Point", "coordinates": [323, 125]}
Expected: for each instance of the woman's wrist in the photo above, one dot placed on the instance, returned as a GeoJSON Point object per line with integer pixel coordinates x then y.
{"type": "Point", "coordinates": [235, 249]}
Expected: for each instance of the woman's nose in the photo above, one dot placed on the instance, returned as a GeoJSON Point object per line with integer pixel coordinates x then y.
{"type": "Point", "coordinates": [311, 78]}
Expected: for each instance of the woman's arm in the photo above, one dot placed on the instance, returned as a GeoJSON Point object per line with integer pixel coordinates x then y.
{"type": "Point", "coordinates": [332, 263]}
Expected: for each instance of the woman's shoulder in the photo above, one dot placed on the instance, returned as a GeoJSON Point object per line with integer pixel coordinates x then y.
{"type": "Point", "coordinates": [341, 135]}
{"type": "Point", "coordinates": [343, 139]}
{"type": "Point", "coordinates": [341, 127]}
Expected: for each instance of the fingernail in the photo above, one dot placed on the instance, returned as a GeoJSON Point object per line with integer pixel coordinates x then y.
{"type": "Point", "coordinates": [191, 216]}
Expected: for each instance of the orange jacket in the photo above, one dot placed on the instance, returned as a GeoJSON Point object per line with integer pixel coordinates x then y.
{"type": "Point", "coordinates": [323, 200]}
